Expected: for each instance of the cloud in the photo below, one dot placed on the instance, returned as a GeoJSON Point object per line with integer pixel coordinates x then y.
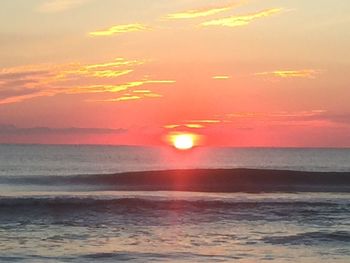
{"type": "Point", "coordinates": [123, 98]}
{"type": "Point", "coordinates": [242, 20]}
{"type": "Point", "coordinates": [53, 6]}
{"type": "Point", "coordinates": [112, 73]}
{"type": "Point", "coordinates": [195, 13]}
{"type": "Point", "coordinates": [118, 62]}
{"type": "Point", "coordinates": [15, 92]}
{"type": "Point", "coordinates": [305, 73]}
{"type": "Point", "coordinates": [141, 91]}
{"type": "Point", "coordinates": [13, 130]}
{"type": "Point", "coordinates": [152, 95]}
{"type": "Point", "coordinates": [19, 94]}
{"type": "Point", "coordinates": [250, 120]}
{"type": "Point", "coordinates": [278, 114]}
{"type": "Point", "coordinates": [206, 121]}
{"type": "Point", "coordinates": [184, 125]}
{"type": "Point", "coordinates": [116, 68]}
{"type": "Point", "coordinates": [25, 82]}
{"type": "Point", "coordinates": [21, 83]}
{"type": "Point", "coordinates": [312, 118]}
{"type": "Point", "coordinates": [119, 29]}
{"type": "Point", "coordinates": [121, 87]}
{"type": "Point", "coordinates": [138, 94]}
{"type": "Point", "coordinates": [8, 74]}
{"type": "Point", "coordinates": [222, 77]}
{"type": "Point", "coordinates": [193, 124]}
{"type": "Point", "coordinates": [171, 126]}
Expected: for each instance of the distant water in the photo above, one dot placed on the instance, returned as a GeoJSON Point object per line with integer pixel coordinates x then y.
{"type": "Point", "coordinates": [66, 223]}
{"type": "Point", "coordinates": [22, 160]}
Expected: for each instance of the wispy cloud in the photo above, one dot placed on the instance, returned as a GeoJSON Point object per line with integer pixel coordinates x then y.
{"type": "Point", "coordinates": [125, 98]}
{"type": "Point", "coordinates": [118, 62]}
{"type": "Point", "coordinates": [26, 82]}
{"type": "Point", "coordinates": [250, 120]}
{"type": "Point", "coordinates": [171, 126]}
{"type": "Point", "coordinates": [124, 86]}
{"type": "Point", "coordinates": [127, 87]}
{"type": "Point", "coordinates": [192, 124]}
{"type": "Point", "coordinates": [241, 20]}
{"type": "Point", "coordinates": [53, 6]}
{"type": "Point", "coordinates": [129, 97]}
{"type": "Point", "coordinates": [142, 91]}
{"type": "Point", "coordinates": [305, 73]}
{"type": "Point", "coordinates": [206, 121]}
{"type": "Point", "coordinates": [119, 29]}
{"type": "Point", "coordinates": [278, 114]}
{"type": "Point", "coordinates": [194, 13]}
{"type": "Point", "coordinates": [153, 95]}
{"type": "Point", "coordinates": [112, 73]}
{"type": "Point", "coordinates": [116, 68]}
{"type": "Point", "coordinates": [222, 77]}
{"type": "Point", "coordinates": [184, 125]}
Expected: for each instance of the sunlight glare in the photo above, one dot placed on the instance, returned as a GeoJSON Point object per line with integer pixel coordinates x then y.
{"type": "Point", "coordinates": [183, 141]}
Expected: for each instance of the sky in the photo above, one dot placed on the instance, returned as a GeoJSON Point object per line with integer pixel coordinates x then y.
{"type": "Point", "coordinates": [250, 73]}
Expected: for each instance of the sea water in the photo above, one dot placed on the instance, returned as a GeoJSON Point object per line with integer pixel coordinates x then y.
{"type": "Point", "coordinates": [72, 223]}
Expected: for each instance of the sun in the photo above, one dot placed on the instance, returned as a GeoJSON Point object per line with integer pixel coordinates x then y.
{"type": "Point", "coordinates": [183, 141]}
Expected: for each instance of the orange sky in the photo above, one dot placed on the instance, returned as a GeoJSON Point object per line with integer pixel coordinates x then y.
{"type": "Point", "coordinates": [239, 73]}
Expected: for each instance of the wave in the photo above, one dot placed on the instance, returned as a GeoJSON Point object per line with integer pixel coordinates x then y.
{"type": "Point", "coordinates": [310, 238]}
{"type": "Point", "coordinates": [160, 203]}
{"type": "Point", "coordinates": [204, 180]}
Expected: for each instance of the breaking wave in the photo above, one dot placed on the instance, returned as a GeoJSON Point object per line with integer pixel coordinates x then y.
{"type": "Point", "coordinates": [206, 180]}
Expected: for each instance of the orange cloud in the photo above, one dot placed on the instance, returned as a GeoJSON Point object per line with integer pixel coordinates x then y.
{"type": "Point", "coordinates": [118, 62]}
{"type": "Point", "coordinates": [111, 73]}
{"type": "Point", "coordinates": [194, 125]}
{"type": "Point", "coordinates": [206, 121]}
{"type": "Point", "coordinates": [116, 68]}
{"type": "Point", "coordinates": [199, 12]}
{"type": "Point", "coordinates": [134, 84]}
{"type": "Point", "coordinates": [275, 115]}
{"type": "Point", "coordinates": [247, 120]}
{"type": "Point", "coordinates": [121, 87]}
{"type": "Point", "coordinates": [27, 82]}
{"type": "Point", "coordinates": [96, 89]}
{"type": "Point", "coordinates": [185, 125]}
{"type": "Point", "coordinates": [221, 77]}
{"type": "Point", "coordinates": [119, 29]}
{"type": "Point", "coordinates": [124, 98]}
{"type": "Point", "coordinates": [142, 91]}
{"type": "Point", "coordinates": [153, 95]}
{"type": "Point", "coordinates": [171, 126]}
{"type": "Point", "coordinates": [128, 97]}
{"type": "Point", "coordinates": [242, 20]}
{"type": "Point", "coordinates": [15, 99]}
{"type": "Point", "coordinates": [305, 73]}
{"type": "Point", "coordinates": [139, 94]}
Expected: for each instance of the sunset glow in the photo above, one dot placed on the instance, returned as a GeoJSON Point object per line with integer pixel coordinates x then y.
{"type": "Point", "coordinates": [183, 141]}
{"type": "Point", "coordinates": [241, 73]}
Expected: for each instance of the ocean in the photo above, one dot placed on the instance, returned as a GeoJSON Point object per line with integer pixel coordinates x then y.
{"type": "Point", "coordinates": [149, 204]}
